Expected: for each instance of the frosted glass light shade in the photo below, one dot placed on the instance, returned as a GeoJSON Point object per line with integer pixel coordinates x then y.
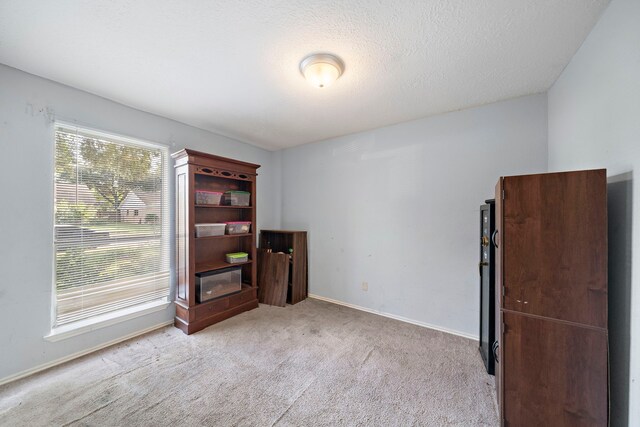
{"type": "Point", "coordinates": [321, 70]}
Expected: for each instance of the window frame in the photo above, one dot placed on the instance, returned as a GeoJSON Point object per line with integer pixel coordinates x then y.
{"type": "Point", "coordinates": [67, 330]}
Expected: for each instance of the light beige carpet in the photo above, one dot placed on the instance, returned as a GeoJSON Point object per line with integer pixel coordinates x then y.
{"type": "Point", "coordinates": [312, 364]}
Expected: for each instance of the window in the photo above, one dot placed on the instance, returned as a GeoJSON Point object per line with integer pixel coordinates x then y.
{"type": "Point", "coordinates": [104, 259]}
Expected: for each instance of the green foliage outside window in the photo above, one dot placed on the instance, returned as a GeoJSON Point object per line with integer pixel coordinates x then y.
{"type": "Point", "coordinates": [98, 175]}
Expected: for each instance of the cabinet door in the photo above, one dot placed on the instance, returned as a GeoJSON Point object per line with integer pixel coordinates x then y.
{"type": "Point", "coordinates": [554, 235]}
{"type": "Point", "coordinates": [555, 373]}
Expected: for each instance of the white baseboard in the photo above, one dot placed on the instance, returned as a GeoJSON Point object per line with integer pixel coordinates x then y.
{"type": "Point", "coordinates": [81, 353]}
{"type": "Point", "coordinates": [393, 316]}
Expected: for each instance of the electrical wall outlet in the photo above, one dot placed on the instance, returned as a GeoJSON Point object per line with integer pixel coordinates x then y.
{"type": "Point", "coordinates": [365, 286]}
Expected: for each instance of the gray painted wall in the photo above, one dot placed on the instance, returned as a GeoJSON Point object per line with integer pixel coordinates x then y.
{"type": "Point", "coordinates": [398, 207]}
{"type": "Point", "coordinates": [28, 104]}
{"type": "Point", "coordinates": [594, 121]}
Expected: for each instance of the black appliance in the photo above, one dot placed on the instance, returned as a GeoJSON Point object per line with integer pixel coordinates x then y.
{"type": "Point", "coordinates": [486, 267]}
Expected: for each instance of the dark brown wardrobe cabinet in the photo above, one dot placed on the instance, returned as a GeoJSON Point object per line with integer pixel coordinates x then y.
{"type": "Point", "coordinates": [551, 288]}
{"type": "Point", "coordinates": [201, 172]}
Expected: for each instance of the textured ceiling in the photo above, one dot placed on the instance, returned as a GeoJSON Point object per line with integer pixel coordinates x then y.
{"type": "Point", "coordinates": [231, 66]}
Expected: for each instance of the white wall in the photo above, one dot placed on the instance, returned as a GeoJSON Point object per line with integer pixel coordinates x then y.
{"type": "Point", "coordinates": [398, 207]}
{"type": "Point", "coordinates": [594, 121]}
{"type": "Point", "coordinates": [28, 104]}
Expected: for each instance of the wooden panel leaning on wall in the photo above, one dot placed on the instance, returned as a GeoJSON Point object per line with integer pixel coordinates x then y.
{"type": "Point", "coordinates": [273, 277]}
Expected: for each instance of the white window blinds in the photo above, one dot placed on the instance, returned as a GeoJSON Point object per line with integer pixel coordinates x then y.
{"type": "Point", "coordinates": [111, 233]}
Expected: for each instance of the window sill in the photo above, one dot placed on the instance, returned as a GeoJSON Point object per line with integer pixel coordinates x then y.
{"type": "Point", "coordinates": [87, 325]}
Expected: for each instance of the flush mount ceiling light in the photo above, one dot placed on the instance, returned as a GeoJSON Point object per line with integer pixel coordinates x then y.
{"type": "Point", "coordinates": [321, 69]}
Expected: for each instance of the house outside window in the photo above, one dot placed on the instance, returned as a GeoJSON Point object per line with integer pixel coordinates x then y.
{"type": "Point", "coordinates": [103, 262]}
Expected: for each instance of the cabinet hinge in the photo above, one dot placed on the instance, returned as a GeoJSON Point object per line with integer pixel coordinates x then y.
{"type": "Point", "coordinates": [502, 194]}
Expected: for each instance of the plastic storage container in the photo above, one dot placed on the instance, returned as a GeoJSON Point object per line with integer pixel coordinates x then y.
{"type": "Point", "coordinates": [237, 257]}
{"type": "Point", "coordinates": [204, 197]}
{"type": "Point", "coordinates": [208, 230]}
{"type": "Point", "coordinates": [236, 198]}
{"type": "Point", "coordinates": [238, 227]}
{"type": "Point", "coordinates": [214, 284]}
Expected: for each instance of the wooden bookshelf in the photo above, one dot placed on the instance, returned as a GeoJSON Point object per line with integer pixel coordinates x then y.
{"type": "Point", "coordinates": [200, 171]}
